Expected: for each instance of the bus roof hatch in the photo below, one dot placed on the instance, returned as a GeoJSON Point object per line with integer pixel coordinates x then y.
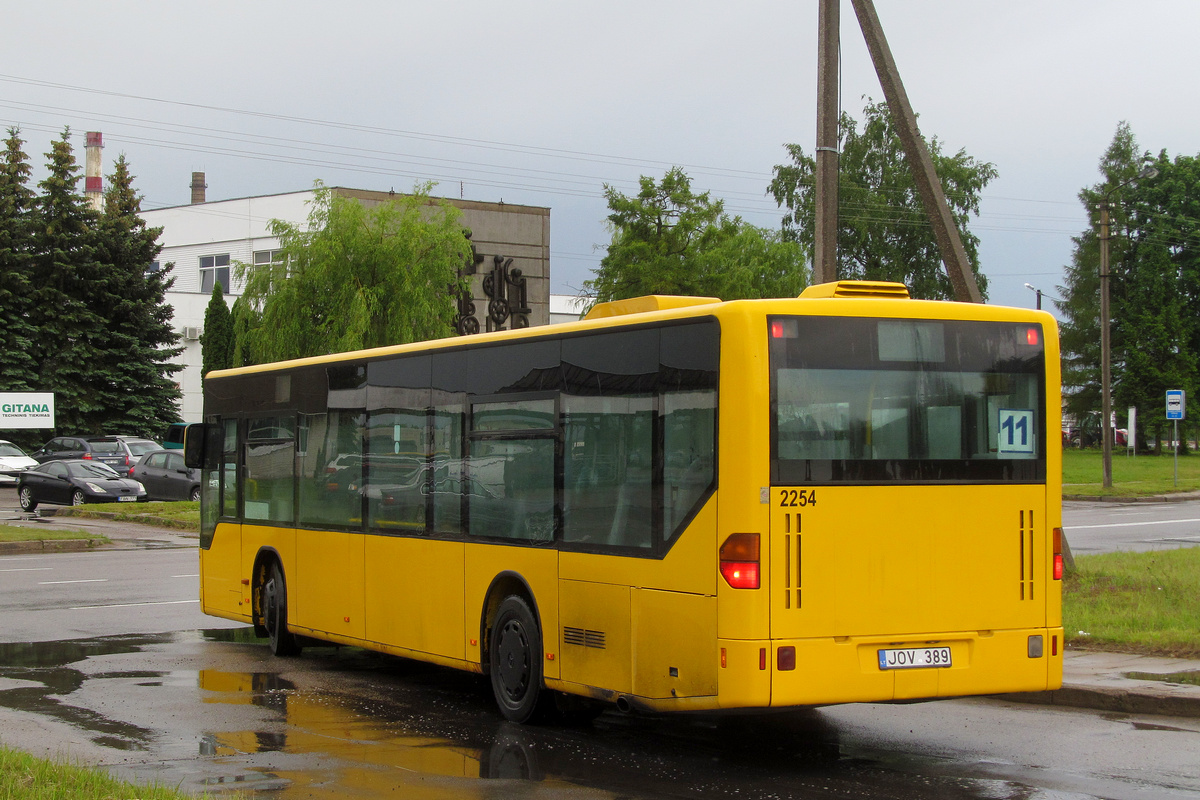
{"type": "Point", "coordinates": [856, 289]}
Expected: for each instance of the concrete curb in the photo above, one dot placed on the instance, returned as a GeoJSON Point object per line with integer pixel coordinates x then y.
{"type": "Point", "coordinates": [1181, 497]}
{"type": "Point", "coordinates": [1150, 698]}
{"type": "Point", "coordinates": [50, 546]}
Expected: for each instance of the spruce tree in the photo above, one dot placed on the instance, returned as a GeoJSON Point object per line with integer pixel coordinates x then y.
{"type": "Point", "coordinates": [138, 353]}
{"type": "Point", "coordinates": [64, 271]}
{"type": "Point", "coordinates": [216, 343]}
{"type": "Point", "coordinates": [17, 367]}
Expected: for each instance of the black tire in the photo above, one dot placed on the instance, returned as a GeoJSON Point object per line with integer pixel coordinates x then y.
{"type": "Point", "coordinates": [194, 495]}
{"type": "Point", "coordinates": [26, 498]}
{"type": "Point", "coordinates": [515, 662]}
{"type": "Point", "coordinates": [283, 643]}
{"type": "Point", "coordinates": [78, 498]}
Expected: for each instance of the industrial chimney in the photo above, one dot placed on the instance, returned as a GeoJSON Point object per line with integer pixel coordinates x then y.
{"type": "Point", "coordinates": [198, 187]}
{"type": "Point", "coordinates": [93, 183]}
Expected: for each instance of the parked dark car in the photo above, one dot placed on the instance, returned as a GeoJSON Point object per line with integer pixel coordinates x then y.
{"type": "Point", "coordinates": [135, 447]}
{"type": "Point", "coordinates": [165, 476]}
{"type": "Point", "coordinates": [75, 482]}
{"type": "Point", "coordinates": [105, 449]}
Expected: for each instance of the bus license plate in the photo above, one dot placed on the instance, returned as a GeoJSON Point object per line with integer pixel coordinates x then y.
{"type": "Point", "coordinates": [914, 657]}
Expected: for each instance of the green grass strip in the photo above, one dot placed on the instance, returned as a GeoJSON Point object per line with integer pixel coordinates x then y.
{"type": "Point", "coordinates": [24, 777]}
{"type": "Point", "coordinates": [182, 515]}
{"type": "Point", "coordinates": [1133, 476]}
{"type": "Point", "coordinates": [1135, 602]}
{"type": "Point", "coordinates": [20, 533]}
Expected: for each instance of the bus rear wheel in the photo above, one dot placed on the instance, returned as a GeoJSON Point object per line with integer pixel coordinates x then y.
{"type": "Point", "coordinates": [283, 643]}
{"type": "Point", "coordinates": [515, 655]}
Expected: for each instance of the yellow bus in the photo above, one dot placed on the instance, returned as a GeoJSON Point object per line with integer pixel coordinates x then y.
{"type": "Point", "coordinates": [676, 503]}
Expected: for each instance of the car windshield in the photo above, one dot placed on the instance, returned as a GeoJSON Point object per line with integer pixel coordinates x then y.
{"type": "Point", "coordinates": [85, 469]}
{"type": "Point", "coordinates": [105, 446]}
{"type": "Point", "coordinates": [140, 448]}
{"type": "Point", "coordinates": [7, 449]}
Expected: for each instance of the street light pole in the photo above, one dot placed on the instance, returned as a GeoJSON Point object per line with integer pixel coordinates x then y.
{"type": "Point", "coordinates": [1036, 291]}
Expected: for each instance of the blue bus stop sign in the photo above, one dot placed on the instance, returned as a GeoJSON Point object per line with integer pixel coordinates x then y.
{"type": "Point", "coordinates": [1176, 404]}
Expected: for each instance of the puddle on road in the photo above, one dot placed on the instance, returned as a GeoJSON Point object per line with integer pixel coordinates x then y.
{"type": "Point", "coordinates": [343, 723]}
{"type": "Point", "coordinates": [47, 678]}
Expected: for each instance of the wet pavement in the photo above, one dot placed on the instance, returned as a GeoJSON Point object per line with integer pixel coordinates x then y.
{"type": "Point", "coordinates": [213, 710]}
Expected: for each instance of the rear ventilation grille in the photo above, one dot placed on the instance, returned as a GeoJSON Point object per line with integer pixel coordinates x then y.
{"type": "Point", "coordinates": [583, 638]}
{"type": "Point", "coordinates": [791, 560]}
{"type": "Point", "coordinates": [1026, 551]}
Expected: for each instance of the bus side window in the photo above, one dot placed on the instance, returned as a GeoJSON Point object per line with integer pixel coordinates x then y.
{"type": "Point", "coordinates": [395, 475]}
{"type": "Point", "coordinates": [688, 453]}
{"type": "Point", "coordinates": [510, 474]}
{"type": "Point", "coordinates": [331, 468]}
{"type": "Point", "coordinates": [608, 476]}
{"type": "Point", "coordinates": [270, 469]}
{"type": "Point", "coordinates": [229, 468]}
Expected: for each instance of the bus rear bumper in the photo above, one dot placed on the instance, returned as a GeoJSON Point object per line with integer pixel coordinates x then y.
{"type": "Point", "coordinates": [824, 671]}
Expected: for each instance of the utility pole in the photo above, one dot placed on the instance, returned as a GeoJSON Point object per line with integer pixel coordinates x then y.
{"type": "Point", "coordinates": [1106, 435]}
{"type": "Point", "coordinates": [825, 255]}
{"type": "Point", "coordinates": [928, 185]}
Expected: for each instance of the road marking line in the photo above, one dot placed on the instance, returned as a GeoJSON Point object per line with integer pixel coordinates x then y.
{"type": "Point", "coordinates": [197, 575]}
{"type": "Point", "coordinates": [28, 569]}
{"type": "Point", "coordinates": [132, 605]}
{"type": "Point", "coordinates": [1131, 524]}
{"type": "Point", "coordinates": [88, 580]}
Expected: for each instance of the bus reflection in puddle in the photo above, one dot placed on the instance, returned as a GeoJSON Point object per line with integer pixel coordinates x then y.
{"type": "Point", "coordinates": [317, 746]}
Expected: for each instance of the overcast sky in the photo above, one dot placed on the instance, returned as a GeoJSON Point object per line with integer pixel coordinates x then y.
{"type": "Point", "coordinates": [543, 103]}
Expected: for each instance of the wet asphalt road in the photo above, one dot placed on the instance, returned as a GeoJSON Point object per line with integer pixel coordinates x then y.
{"type": "Point", "coordinates": [105, 658]}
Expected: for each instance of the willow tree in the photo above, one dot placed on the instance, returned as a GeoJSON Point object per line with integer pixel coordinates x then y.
{"type": "Point", "coordinates": [355, 276]}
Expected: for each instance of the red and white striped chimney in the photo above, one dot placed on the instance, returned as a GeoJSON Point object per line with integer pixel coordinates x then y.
{"type": "Point", "coordinates": [93, 182]}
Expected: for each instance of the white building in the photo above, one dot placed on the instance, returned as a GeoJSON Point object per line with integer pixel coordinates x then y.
{"type": "Point", "coordinates": [203, 240]}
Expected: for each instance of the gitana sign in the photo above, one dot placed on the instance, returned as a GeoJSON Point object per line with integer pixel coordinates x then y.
{"type": "Point", "coordinates": [26, 410]}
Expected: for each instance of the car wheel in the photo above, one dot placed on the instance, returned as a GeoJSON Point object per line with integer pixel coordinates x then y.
{"type": "Point", "coordinates": [515, 663]}
{"type": "Point", "coordinates": [283, 643]}
{"type": "Point", "coordinates": [26, 498]}
{"type": "Point", "coordinates": [78, 498]}
{"type": "Point", "coordinates": [194, 496]}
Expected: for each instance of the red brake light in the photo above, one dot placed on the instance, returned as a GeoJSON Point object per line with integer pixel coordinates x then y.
{"type": "Point", "coordinates": [88, 456]}
{"type": "Point", "coordinates": [739, 560]}
{"type": "Point", "coordinates": [1058, 559]}
{"type": "Point", "coordinates": [1031, 336]}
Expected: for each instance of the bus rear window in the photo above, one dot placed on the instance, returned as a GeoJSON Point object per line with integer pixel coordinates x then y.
{"type": "Point", "coordinates": [859, 400]}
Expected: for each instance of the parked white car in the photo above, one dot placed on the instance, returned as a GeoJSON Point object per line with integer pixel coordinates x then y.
{"type": "Point", "coordinates": [12, 461]}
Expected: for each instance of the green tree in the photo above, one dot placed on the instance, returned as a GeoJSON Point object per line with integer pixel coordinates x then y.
{"type": "Point", "coordinates": [883, 231]}
{"type": "Point", "coordinates": [216, 343]}
{"type": "Point", "coordinates": [63, 275]}
{"type": "Point", "coordinates": [17, 367]}
{"type": "Point", "coordinates": [356, 277]}
{"type": "Point", "coordinates": [141, 345]}
{"type": "Point", "coordinates": [670, 240]}
{"type": "Point", "coordinates": [1154, 267]}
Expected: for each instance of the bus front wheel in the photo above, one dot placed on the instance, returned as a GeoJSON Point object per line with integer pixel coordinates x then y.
{"type": "Point", "coordinates": [515, 651]}
{"type": "Point", "coordinates": [283, 643]}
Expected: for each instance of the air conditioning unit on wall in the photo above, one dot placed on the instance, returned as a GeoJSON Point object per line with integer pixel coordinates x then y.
{"type": "Point", "coordinates": [191, 334]}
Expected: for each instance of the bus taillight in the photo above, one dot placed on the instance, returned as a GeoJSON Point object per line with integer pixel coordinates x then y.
{"type": "Point", "coordinates": [1058, 559]}
{"type": "Point", "coordinates": [739, 560]}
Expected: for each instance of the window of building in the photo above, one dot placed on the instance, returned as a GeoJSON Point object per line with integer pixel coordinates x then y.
{"type": "Point", "coordinates": [214, 270]}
